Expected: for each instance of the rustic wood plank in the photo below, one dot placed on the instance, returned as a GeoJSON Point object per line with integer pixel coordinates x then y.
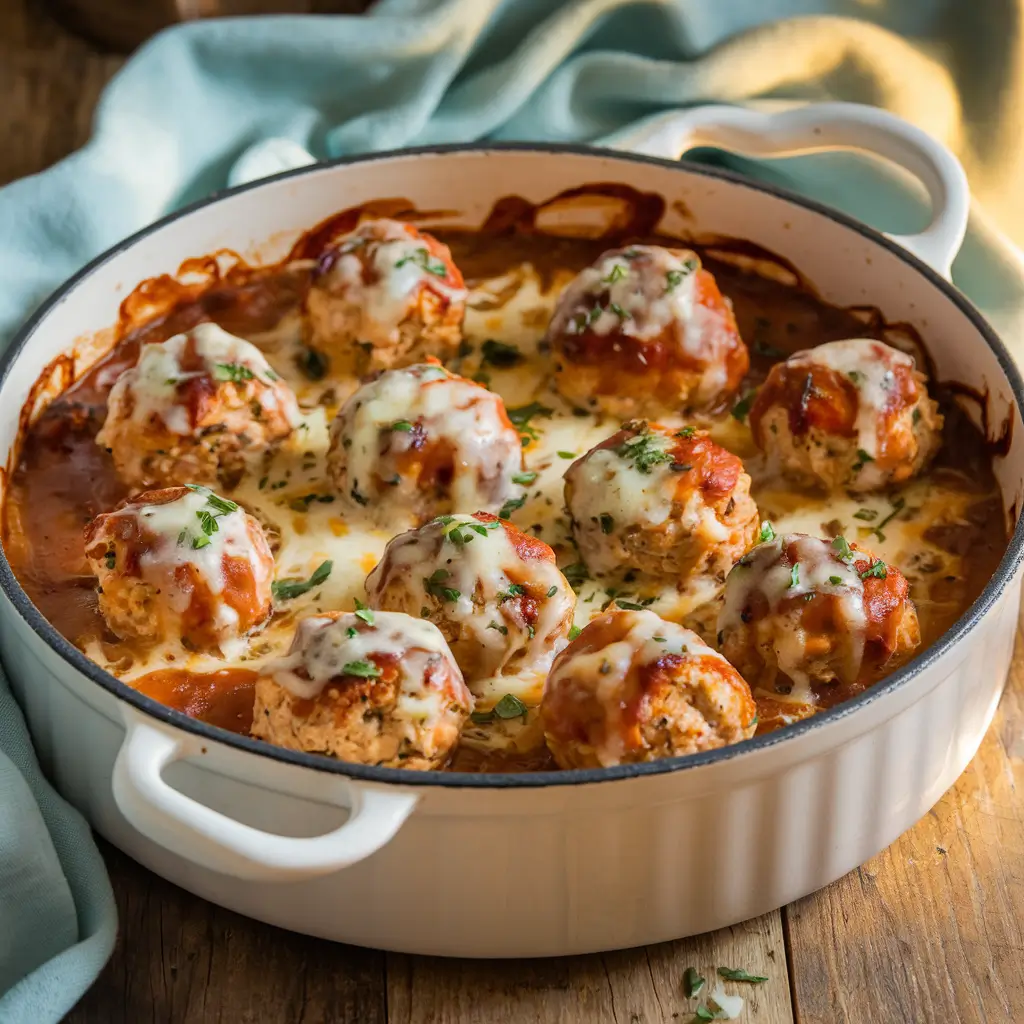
{"type": "Point", "coordinates": [49, 81]}
{"type": "Point", "coordinates": [181, 959]}
{"type": "Point", "coordinates": [638, 986]}
{"type": "Point", "coordinates": [933, 928]}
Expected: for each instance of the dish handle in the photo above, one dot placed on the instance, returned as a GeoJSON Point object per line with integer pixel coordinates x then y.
{"type": "Point", "coordinates": [213, 840]}
{"type": "Point", "coordinates": [829, 126]}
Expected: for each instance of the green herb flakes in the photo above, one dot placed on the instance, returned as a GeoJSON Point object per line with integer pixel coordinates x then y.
{"type": "Point", "coordinates": [287, 589]}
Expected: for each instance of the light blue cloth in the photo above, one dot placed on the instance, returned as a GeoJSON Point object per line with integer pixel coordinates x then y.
{"type": "Point", "coordinates": [192, 102]}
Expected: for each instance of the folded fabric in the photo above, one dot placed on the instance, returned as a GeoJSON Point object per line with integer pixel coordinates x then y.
{"type": "Point", "coordinates": [198, 103]}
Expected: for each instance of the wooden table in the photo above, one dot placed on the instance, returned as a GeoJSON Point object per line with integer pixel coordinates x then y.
{"type": "Point", "coordinates": [930, 930]}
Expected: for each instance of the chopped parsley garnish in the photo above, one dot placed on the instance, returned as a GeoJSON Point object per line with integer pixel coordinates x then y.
{"type": "Point", "coordinates": [705, 1013]}
{"type": "Point", "coordinates": [514, 590]}
{"type": "Point", "coordinates": [510, 706]}
{"type": "Point", "coordinates": [866, 515]}
{"type": "Point", "coordinates": [835, 580]}
{"type": "Point", "coordinates": [351, 632]}
{"type": "Point", "coordinates": [856, 376]}
{"type": "Point", "coordinates": [237, 373]}
{"type": "Point", "coordinates": [401, 426]}
{"type": "Point", "coordinates": [738, 974]}
{"type": "Point", "coordinates": [364, 613]}
{"type": "Point", "coordinates": [621, 313]}
{"type": "Point", "coordinates": [422, 259]}
{"type": "Point", "coordinates": [574, 632]}
{"type": "Point", "coordinates": [659, 639]}
{"type": "Point", "coordinates": [434, 585]}
{"type": "Point", "coordinates": [877, 571]}
{"type": "Point", "coordinates": [313, 363]}
{"type": "Point", "coordinates": [524, 478]}
{"type": "Point", "coordinates": [510, 506]}
{"type": "Point", "coordinates": [285, 590]}
{"type": "Point", "coordinates": [617, 273]}
{"type": "Point", "coordinates": [767, 533]}
{"type": "Point", "coordinates": [567, 455]}
{"type": "Point", "coordinates": [794, 575]}
{"type": "Point", "coordinates": [503, 630]}
{"type": "Point", "coordinates": [551, 592]}
{"type": "Point", "coordinates": [842, 549]}
{"type": "Point", "coordinates": [897, 507]}
{"type": "Point", "coordinates": [207, 520]}
{"type": "Point", "coordinates": [581, 321]}
{"type": "Point", "coordinates": [644, 451]}
{"type": "Point", "coordinates": [497, 353]}
{"type": "Point", "coordinates": [531, 632]}
{"type": "Point", "coordinates": [863, 458]}
{"type": "Point", "coordinates": [686, 432]}
{"type": "Point", "coordinates": [362, 669]}
{"type": "Point", "coordinates": [522, 415]}
{"type": "Point", "coordinates": [742, 407]}
{"type": "Point", "coordinates": [111, 559]}
{"type": "Point", "coordinates": [607, 523]}
{"type": "Point", "coordinates": [680, 467]}
{"type": "Point", "coordinates": [916, 417]}
{"type": "Point", "coordinates": [692, 982]}
{"type": "Point", "coordinates": [576, 574]}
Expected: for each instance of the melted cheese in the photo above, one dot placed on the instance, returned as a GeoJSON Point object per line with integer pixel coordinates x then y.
{"type": "Point", "coordinates": [480, 570]}
{"type": "Point", "coordinates": [868, 365]}
{"type": "Point", "coordinates": [324, 646]}
{"type": "Point", "coordinates": [180, 540]}
{"type": "Point", "coordinates": [324, 531]}
{"type": "Point", "coordinates": [457, 413]}
{"type": "Point", "coordinates": [401, 267]}
{"type": "Point", "coordinates": [815, 569]}
{"type": "Point", "coordinates": [601, 672]}
{"type": "Point", "coordinates": [155, 378]}
{"type": "Point", "coordinates": [648, 289]}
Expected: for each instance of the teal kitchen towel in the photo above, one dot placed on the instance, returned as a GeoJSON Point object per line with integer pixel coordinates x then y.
{"type": "Point", "coordinates": [195, 107]}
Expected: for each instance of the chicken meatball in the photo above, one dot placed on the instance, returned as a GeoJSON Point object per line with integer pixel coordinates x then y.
{"type": "Point", "coordinates": [645, 331]}
{"type": "Point", "coordinates": [849, 414]}
{"type": "Point", "coordinates": [669, 503]}
{"type": "Point", "coordinates": [423, 441]}
{"type": "Point", "coordinates": [193, 409]}
{"type": "Point", "coordinates": [182, 564]}
{"type": "Point", "coordinates": [385, 296]}
{"type": "Point", "coordinates": [800, 613]}
{"type": "Point", "coordinates": [493, 591]}
{"type": "Point", "coordinates": [633, 687]}
{"type": "Point", "coordinates": [376, 688]}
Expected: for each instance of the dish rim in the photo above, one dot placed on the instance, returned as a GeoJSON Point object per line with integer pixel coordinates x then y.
{"type": "Point", "coordinates": [1008, 564]}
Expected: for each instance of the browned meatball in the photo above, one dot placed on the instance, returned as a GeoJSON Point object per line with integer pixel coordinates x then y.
{"type": "Point", "coordinates": [181, 564]}
{"type": "Point", "coordinates": [493, 591]}
{"type": "Point", "coordinates": [669, 503]}
{"type": "Point", "coordinates": [801, 613]}
{"type": "Point", "coordinates": [849, 414]}
{"type": "Point", "coordinates": [193, 409]}
{"type": "Point", "coordinates": [421, 441]}
{"type": "Point", "coordinates": [645, 331]}
{"type": "Point", "coordinates": [633, 687]}
{"type": "Point", "coordinates": [385, 296]}
{"type": "Point", "coordinates": [377, 688]}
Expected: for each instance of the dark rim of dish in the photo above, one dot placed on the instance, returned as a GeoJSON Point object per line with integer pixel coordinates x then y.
{"type": "Point", "coordinates": [1008, 565]}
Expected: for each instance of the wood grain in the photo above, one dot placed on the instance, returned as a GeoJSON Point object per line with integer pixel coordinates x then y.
{"type": "Point", "coordinates": [181, 960]}
{"type": "Point", "coordinates": [638, 986]}
{"type": "Point", "coordinates": [932, 929]}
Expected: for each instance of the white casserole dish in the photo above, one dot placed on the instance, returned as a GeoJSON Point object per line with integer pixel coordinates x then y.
{"type": "Point", "coordinates": [547, 863]}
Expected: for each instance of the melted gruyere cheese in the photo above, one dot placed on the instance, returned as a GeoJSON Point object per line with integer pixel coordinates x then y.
{"type": "Point", "coordinates": [309, 526]}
